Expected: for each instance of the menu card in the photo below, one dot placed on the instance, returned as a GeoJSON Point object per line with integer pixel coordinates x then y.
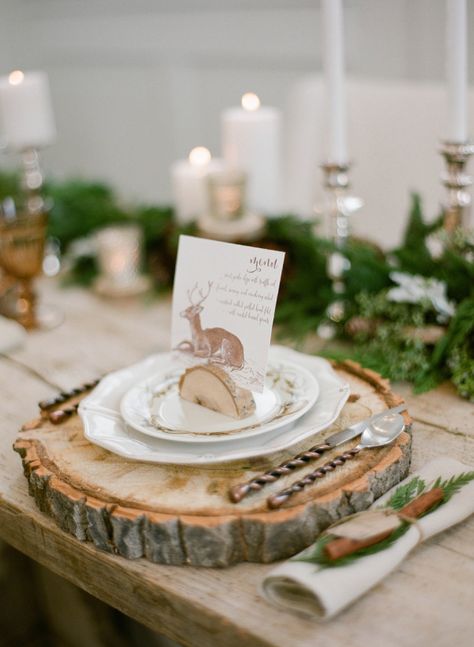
{"type": "Point", "coordinates": [224, 300]}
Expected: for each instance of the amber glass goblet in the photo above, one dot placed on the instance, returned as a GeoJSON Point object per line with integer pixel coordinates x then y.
{"type": "Point", "coordinates": [22, 241]}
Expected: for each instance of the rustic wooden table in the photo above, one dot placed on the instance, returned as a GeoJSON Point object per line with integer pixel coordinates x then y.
{"type": "Point", "coordinates": [428, 601]}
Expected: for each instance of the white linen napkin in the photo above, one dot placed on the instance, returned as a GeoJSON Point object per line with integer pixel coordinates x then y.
{"type": "Point", "coordinates": [321, 593]}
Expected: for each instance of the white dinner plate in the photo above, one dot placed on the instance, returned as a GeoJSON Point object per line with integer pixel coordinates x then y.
{"type": "Point", "coordinates": [104, 425]}
{"type": "Point", "coordinates": [155, 407]}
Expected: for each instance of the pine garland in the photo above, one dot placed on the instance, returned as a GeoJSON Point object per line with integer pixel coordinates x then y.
{"type": "Point", "coordinates": [79, 208]}
{"type": "Point", "coordinates": [389, 349]}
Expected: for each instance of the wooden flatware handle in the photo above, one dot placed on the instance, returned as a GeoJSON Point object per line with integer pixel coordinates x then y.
{"type": "Point", "coordinates": [60, 415]}
{"type": "Point", "coordinates": [241, 490]}
{"type": "Point", "coordinates": [276, 500]}
{"type": "Point", "coordinates": [52, 404]}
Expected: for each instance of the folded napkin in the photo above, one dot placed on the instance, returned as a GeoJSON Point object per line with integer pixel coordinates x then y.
{"type": "Point", "coordinates": [321, 593]}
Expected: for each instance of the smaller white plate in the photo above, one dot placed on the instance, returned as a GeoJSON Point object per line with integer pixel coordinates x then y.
{"type": "Point", "coordinates": [104, 426]}
{"type": "Point", "coordinates": [155, 408]}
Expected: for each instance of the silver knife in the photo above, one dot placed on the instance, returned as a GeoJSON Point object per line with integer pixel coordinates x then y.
{"type": "Point", "coordinates": [239, 491]}
{"type": "Point", "coordinates": [358, 427]}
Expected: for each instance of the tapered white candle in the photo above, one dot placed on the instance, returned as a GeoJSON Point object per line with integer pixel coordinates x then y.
{"type": "Point", "coordinates": [333, 59]}
{"type": "Point", "coordinates": [456, 69]}
{"type": "Point", "coordinates": [26, 113]}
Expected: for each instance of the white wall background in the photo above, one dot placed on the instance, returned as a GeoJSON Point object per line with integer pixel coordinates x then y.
{"type": "Point", "coordinates": [137, 84]}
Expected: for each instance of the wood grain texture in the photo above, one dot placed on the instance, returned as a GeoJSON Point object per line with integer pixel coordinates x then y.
{"type": "Point", "coordinates": [214, 607]}
{"type": "Point", "coordinates": [183, 515]}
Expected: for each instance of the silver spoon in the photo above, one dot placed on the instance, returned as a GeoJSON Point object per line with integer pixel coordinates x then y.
{"type": "Point", "coordinates": [380, 432]}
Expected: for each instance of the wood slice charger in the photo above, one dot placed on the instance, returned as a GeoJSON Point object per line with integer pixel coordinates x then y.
{"type": "Point", "coordinates": [183, 515]}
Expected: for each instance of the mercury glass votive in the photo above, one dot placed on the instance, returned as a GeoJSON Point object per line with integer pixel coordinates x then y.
{"type": "Point", "coordinates": [227, 194]}
{"type": "Point", "coordinates": [119, 260]}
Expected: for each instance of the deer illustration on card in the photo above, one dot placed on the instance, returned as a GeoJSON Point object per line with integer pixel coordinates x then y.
{"type": "Point", "coordinates": [216, 344]}
{"type": "Point", "coordinates": [224, 299]}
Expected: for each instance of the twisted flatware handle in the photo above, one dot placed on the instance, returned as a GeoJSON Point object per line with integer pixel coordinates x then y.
{"type": "Point", "coordinates": [60, 415]}
{"type": "Point", "coordinates": [278, 499]}
{"type": "Point", "coordinates": [241, 490]}
{"type": "Point", "coordinates": [64, 396]}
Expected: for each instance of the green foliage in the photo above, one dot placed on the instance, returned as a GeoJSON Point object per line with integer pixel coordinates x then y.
{"type": "Point", "coordinates": [389, 349]}
{"type": "Point", "coordinates": [398, 356]}
{"type": "Point", "coordinates": [452, 485]}
{"type": "Point", "coordinates": [9, 185]}
{"type": "Point", "coordinates": [458, 274]}
{"type": "Point", "coordinates": [454, 352]}
{"type": "Point", "coordinates": [461, 329]}
{"type": "Point", "coordinates": [82, 273]}
{"type": "Point", "coordinates": [461, 366]}
{"type": "Point", "coordinates": [79, 208]}
{"type": "Point", "coordinates": [406, 493]}
{"type": "Point", "coordinates": [369, 270]}
{"type": "Point", "coordinates": [306, 291]}
{"type": "Point", "coordinates": [403, 495]}
{"type": "Point", "coordinates": [161, 234]}
{"type": "Point", "coordinates": [319, 557]}
{"type": "Point", "coordinates": [452, 267]}
{"type": "Point", "coordinates": [413, 256]}
{"type": "Point", "coordinates": [400, 359]}
{"type": "Point", "coordinates": [155, 222]}
{"type": "Point", "coordinates": [404, 314]}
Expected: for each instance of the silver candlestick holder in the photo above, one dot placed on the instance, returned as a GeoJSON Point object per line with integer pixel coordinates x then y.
{"type": "Point", "coordinates": [456, 180]}
{"type": "Point", "coordinates": [339, 207]}
{"type": "Point", "coordinates": [32, 181]}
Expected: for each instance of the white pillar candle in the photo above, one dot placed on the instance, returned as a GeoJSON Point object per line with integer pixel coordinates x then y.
{"type": "Point", "coordinates": [190, 184]}
{"type": "Point", "coordinates": [251, 142]}
{"type": "Point", "coordinates": [26, 112]}
{"type": "Point", "coordinates": [456, 70]}
{"type": "Point", "coordinates": [333, 58]}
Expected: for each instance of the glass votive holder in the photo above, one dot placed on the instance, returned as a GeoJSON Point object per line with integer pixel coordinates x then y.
{"type": "Point", "coordinates": [119, 255]}
{"type": "Point", "coordinates": [227, 194]}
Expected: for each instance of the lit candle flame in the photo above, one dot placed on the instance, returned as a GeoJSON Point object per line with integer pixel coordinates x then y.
{"type": "Point", "coordinates": [16, 77]}
{"type": "Point", "coordinates": [250, 101]}
{"type": "Point", "coordinates": [199, 156]}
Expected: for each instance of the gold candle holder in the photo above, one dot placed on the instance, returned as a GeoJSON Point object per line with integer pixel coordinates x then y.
{"type": "Point", "coordinates": [22, 241]}
{"type": "Point", "coordinates": [23, 229]}
{"type": "Point", "coordinates": [458, 200]}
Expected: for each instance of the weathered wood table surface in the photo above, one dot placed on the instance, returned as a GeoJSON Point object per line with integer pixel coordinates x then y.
{"type": "Point", "coordinates": [429, 601]}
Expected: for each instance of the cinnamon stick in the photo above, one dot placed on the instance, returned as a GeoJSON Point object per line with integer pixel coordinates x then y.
{"type": "Point", "coordinates": [422, 503]}
{"type": "Point", "coordinates": [344, 546]}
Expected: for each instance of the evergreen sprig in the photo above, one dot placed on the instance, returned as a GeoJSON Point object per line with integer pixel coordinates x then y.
{"type": "Point", "coordinates": [406, 493]}
{"type": "Point", "coordinates": [318, 556]}
{"type": "Point", "coordinates": [452, 485]}
{"type": "Point", "coordinates": [402, 496]}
